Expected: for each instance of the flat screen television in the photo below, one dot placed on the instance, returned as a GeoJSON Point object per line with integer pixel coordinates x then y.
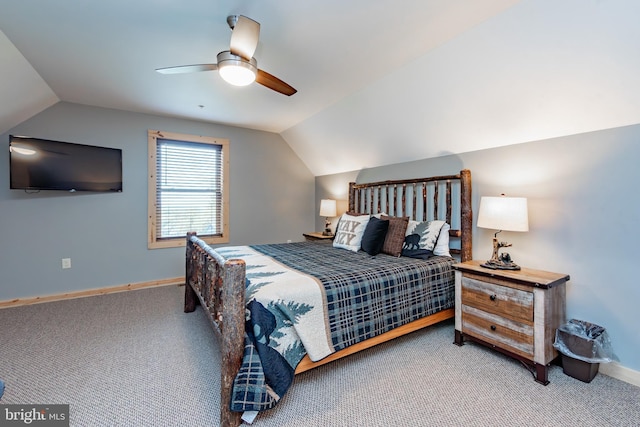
{"type": "Point", "coordinates": [42, 164]}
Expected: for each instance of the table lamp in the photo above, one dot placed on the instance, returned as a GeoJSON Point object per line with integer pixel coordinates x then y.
{"type": "Point", "coordinates": [327, 210]}
{"type": "Point", "coordinates": [503, 214]}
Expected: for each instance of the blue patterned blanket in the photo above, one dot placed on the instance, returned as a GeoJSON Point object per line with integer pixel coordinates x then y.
{"type": "Point", "coordinates": [339, 298]}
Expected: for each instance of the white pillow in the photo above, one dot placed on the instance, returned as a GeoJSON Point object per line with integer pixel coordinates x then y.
{"type": "Point", "coordinates": [429, 232]}
{"type": "Point", "coordinates": [442, 245]}
{"type": "Point", "coordinates": [349, 232]}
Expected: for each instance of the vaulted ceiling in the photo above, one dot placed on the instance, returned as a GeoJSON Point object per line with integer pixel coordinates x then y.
{"type": "Point", "coordinates": [379, 81]}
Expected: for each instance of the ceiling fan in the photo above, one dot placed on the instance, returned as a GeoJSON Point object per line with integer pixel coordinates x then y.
{"type": "Point", "coordinates": [237, 65]}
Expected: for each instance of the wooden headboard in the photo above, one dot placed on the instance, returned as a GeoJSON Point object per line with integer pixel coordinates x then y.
{"type": "Point", "coordinates": [445, 198]}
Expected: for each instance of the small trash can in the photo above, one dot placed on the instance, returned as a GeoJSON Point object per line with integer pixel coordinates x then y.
{"type": "Point", "coordinates": [583, 347]}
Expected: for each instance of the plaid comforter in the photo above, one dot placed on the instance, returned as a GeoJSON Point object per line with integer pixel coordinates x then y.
{"type": "Point", "coordinates": [365, 296]}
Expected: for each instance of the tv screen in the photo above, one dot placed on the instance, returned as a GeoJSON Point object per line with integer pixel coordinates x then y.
{"type": "Point", "coordinates": [42, 164]}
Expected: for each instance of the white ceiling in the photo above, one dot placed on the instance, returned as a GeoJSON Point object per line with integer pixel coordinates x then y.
{"type": "Point", "coordinates": [379, 81]}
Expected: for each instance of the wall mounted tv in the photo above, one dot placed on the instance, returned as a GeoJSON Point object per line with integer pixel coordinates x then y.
{"type": "Point", "coordinates": [42, 164]}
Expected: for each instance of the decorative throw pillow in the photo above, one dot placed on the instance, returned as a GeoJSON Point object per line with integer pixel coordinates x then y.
{"type": "Point", "coordinates": [416, 253]}
{"type": "Point", "coordinates": [374, 234]}
{"type": "Point", "coordinates": [352, 213]}
{"type": "Point", "coordinates": [421, 236]}
{"type": "Point", "coordinates": [395, 236]}
{"type": "Point", "coordinates": [349, 232]}
{"type": "Point", "coordinates": [442, 245]}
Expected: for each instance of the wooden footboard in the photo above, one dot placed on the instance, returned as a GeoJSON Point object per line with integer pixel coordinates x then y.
{"type": "Point", "coordinates": [219, 286]}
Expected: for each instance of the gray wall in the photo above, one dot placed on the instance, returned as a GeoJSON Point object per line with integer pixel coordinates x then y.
{"type": "Point", "coordinates": [105, 235]}
{"type": "Point", "coordinates": [584, 215]}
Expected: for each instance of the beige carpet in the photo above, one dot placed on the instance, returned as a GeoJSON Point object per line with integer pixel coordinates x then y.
{"type": "Point", "coordinates": [135, 359]}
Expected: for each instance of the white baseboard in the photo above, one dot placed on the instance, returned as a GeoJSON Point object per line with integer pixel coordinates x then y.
{"type": "Point", "coordinates": [91, 292]}
{"type": "Point", "coordinates": [616, 370]}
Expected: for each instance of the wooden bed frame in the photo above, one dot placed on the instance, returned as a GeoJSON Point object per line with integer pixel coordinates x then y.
{"type": "Point", "coordinates": [218, 284]}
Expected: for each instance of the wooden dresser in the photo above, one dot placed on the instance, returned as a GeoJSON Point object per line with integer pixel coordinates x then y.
{"type": "Point", "coordinates": [515, 312]}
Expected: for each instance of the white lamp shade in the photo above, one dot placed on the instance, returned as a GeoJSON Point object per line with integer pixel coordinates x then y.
{"type": "Point", "coordinates": [237, 75]}
{"type": "Point", "coordinates": [504, 213]}
{"type": "Point", "coordinates": [327, 208]}
{"type": "Point", "coordinates": [236, 70]}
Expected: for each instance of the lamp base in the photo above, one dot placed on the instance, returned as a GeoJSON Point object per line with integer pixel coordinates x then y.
{"type": "Point", "coordinates": [327, 227]}
{"type": "Point", "coordinates": [500, 261]}
{"type": "Point", "coordinates": [500, 265]}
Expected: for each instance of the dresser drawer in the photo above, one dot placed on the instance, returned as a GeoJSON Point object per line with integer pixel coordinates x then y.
{"type": "Point", "coordinates": [516, 337]}
{"type": "Point", "coordinates": [500, 300]}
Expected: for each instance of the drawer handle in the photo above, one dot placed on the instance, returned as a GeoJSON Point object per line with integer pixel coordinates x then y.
{"type": "Point", "coordinates": [493, 327]}
{"type": "Point", "coordinates": [492, 297]}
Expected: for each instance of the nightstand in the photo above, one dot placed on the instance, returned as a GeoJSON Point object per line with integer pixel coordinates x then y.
{"type": "Point", "coordinates": [515, 312]}
{"type": "Point", "coordinates": [316, 236]}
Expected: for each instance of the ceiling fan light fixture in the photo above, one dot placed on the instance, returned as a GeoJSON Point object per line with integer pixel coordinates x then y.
{"type": "Point", "coordinates": [236, 70]}
{"type": "Point", "coordinates": [237, 66]}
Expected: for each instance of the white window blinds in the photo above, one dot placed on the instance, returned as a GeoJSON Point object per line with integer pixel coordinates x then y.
{"type": "Point", "coordinates": [189, 184]}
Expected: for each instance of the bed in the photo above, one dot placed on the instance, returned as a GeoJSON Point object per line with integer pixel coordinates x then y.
{"type": "Point", "coordinates": [282, 309]}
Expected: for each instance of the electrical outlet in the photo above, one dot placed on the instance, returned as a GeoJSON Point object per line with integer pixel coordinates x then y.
{"type": "Point", "coordinates": [66, 262]}
{"type": "Point", "coordinates": [289, 241]}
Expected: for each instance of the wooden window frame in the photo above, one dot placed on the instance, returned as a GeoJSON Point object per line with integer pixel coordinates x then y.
{"type": "Point", "coordinates": [153, 136]}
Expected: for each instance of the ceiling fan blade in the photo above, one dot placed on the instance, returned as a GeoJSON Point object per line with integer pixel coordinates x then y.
{"type": "Point", "coordinates": [188, 69]}
{"type": "Point", "coordinates": [274, 83]}
{"type": "Point", "coordinates": [244, 37]}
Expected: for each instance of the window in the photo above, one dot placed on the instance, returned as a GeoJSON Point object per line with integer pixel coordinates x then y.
{"type": "Point", "coordinates": [188, 189]}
